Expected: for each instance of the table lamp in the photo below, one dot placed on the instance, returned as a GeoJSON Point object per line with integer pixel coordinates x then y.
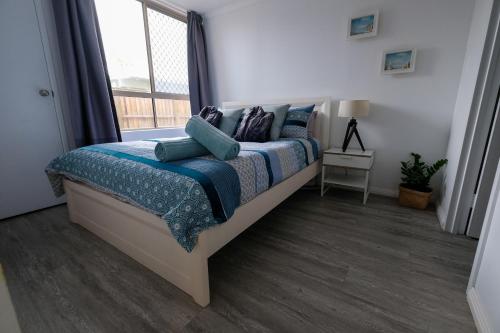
{"type": "Point", "coordinates": [353, 109]}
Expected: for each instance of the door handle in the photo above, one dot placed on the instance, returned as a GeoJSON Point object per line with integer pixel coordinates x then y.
{"type": "Point", "coordinates": [44, 92]}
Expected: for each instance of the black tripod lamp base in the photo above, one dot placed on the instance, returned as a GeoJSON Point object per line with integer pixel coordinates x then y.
{"type": "Point", "coordinates": [352, 129]}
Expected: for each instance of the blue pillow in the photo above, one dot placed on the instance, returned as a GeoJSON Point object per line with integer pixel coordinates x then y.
{"type": "Point", "coordinates": [229, 121]}
{"type": "Point", "coordinates": [295, 125]}
{"type": "Point", "coordinates": [280, 113]}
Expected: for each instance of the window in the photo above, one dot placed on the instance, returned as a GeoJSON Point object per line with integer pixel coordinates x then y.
{"type": "Point", "coordinates": [146, 54]}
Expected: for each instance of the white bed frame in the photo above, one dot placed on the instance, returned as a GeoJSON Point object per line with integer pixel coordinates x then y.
{"type": "Point", "coordinates": [146, 238]}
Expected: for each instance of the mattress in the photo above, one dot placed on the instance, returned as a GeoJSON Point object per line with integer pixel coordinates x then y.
{"type": "Point", "coordinates": [191, 195]}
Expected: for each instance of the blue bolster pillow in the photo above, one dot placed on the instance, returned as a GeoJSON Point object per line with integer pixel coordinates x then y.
{"type": "Point", "coordinates": [179, 149]}
{"type": "Point", "coordinates": [214, 140]}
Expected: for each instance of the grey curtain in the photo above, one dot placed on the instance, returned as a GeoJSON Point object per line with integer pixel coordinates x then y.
{"type": "Point", "coordinates": [92, 109]}
{"type": "Point", "coordinates": [199, 89]}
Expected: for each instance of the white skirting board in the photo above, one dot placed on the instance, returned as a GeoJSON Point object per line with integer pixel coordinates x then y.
{"type": "Point", "coordinates": [478, 313]}
{"type": "Point", "coordinates": [384, 192]}
{"type": "Point", "coordinates": [146, 237]}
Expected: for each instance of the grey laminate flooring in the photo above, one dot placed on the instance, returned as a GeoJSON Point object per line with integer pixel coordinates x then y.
{"type": "Point", "coordinates": [311, 265]}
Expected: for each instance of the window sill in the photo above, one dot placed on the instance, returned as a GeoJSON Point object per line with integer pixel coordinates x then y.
{"type": "Point", "coordinates": [137, 135]}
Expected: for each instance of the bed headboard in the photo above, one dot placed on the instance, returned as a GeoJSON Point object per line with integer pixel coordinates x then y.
{"type": "Point", "coordinates": [322, 105]}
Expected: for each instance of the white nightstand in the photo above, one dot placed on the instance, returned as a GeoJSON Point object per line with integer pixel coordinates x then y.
{"type": "Point", "coordinates": [350, 159]}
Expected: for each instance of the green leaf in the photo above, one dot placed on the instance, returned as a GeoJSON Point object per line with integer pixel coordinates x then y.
{"type": "Point", "coordinates": [417, 173]}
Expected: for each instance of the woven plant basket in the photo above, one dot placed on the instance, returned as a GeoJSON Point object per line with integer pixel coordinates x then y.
{"type": "Point", "coordinates": [414, 199]}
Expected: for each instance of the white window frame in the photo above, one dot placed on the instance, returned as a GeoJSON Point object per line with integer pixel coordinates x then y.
{"type": "Point", "coordinates": [153, 94]}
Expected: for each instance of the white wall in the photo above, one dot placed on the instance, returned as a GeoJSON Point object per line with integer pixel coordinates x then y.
{"type": "Point", "coordinates": [465, 96]}
{"type": "Point", "coordinates": [298, 48]}
{"type": "Point", "coordinates": [484, 290]}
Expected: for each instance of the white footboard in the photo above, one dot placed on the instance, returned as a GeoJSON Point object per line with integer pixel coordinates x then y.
{"type": "Point", "coordinates": [146, 238]}
{"type": "Point", "coordinates": [141, 235]}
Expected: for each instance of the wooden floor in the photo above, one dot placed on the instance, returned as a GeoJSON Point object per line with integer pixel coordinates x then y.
{"type": "Point", "coordinates": [312, 265]}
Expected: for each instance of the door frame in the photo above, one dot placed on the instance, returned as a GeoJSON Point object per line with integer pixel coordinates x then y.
{"type": "Point", "coordinates": [46, 25]}
{"type": "Point", "coordinates": [478, 313]}
{"type": "Point", "coordinates": [478, 125]}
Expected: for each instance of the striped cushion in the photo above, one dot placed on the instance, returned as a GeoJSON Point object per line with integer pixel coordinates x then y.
{"type": "Point", "coordinates": [296, 122]}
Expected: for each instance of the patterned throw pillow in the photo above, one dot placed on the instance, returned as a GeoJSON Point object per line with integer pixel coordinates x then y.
{"type": "Point", "coordinates": [296, 122]}
{"type": "Point", "coordinates": [255, 126]}
{"type": "Point", "coordinates": [212, 115]}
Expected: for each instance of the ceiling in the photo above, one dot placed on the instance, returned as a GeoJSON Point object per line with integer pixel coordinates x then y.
{"type": "Point", "coordinates": [203, 6]}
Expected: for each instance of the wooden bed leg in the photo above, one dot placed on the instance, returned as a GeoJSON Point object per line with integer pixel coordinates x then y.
{"type": "Point", "coordinates": [69, 203]}
{"type": "Point", "coordinates": [201, 289]}
{"type": "Point", "coordinates": [199, 274]}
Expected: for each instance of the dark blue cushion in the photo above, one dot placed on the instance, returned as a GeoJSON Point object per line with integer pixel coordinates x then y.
{"type": "Point", "coordinates": [295, 125]}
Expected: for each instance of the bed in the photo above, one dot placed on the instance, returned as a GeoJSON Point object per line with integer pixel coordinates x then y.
{"type": "Point", "coordinates": [138, 227]}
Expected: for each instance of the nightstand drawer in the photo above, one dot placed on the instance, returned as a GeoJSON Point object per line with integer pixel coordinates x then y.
{"type": "Point", "coordinates": [348, 161]}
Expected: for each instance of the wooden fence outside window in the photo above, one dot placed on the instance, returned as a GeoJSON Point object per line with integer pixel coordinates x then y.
{"type": "Point", "coordinates": [137, 112]}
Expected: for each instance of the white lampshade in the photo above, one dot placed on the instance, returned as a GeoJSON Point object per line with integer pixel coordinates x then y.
{"type": "Point", "coordinates": [354, 108]}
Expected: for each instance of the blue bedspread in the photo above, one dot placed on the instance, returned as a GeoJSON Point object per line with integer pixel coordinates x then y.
{"type": "Point", "coordinates": [190, 195]}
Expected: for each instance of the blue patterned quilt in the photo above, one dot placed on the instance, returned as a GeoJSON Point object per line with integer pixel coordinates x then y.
{"type": "Point", "coordinates": [190, 195]}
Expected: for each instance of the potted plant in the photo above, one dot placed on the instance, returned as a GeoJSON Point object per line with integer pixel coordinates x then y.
{"type": "Point", "coordinates": [415, 191]}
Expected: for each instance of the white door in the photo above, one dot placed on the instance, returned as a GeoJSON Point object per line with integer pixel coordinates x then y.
{"type": "Point", "coordinates": [29, 130]}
